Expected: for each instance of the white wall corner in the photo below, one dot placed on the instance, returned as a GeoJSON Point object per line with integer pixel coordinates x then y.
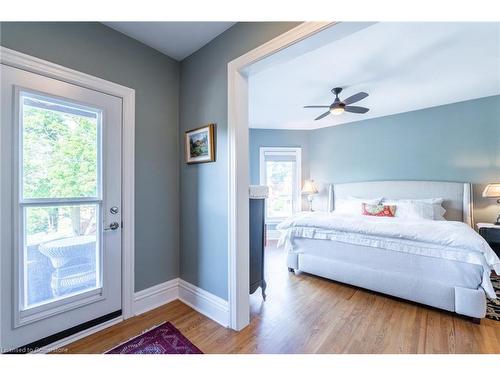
{"type": "Point", "coordinates": [204, 302]}
{"type": "Point", "coordinates": [157, 295]}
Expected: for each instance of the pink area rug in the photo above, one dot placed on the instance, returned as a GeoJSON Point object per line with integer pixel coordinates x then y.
{"type": "Point", "coordinates": [162, 339]}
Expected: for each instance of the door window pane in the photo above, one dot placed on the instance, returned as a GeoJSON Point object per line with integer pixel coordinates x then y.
{"type": "Point", "coordinates": [59, 148]}
{"type": "Point", "coordinates": [280, 180]}
{"type": "Point", "coordinates": [61, 252]}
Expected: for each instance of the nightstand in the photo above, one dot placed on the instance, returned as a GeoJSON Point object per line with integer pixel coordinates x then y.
{"type": "Point", "coordinates": [491, 233]}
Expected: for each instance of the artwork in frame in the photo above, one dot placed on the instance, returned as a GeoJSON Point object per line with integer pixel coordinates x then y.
{"type": "Point", "coordinates": [199, 143]}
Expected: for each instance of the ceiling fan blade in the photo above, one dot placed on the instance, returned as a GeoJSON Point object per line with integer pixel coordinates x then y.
{"type": "Point", "coordinates": [355, 98]}
{"type": "Point", "coordinates": [355, 109]}
{"type": "Point", "coordinates": [316, 106]}
{"type": "Point", "coordinates": [323, 115]}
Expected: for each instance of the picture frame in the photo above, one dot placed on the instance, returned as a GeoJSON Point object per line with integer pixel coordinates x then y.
{"type": "Point", "coordinates": [199, 144]}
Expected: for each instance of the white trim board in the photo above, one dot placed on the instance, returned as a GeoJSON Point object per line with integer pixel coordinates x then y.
{"type": "Point", "coordinates": [204, 302]}
{"type": "Point", "coordinates": [32, 64]}
{"type": "Point", "coordinates": [151, 298]}
{"type": "Point", "coordinates": [199, 299]}
{"type": "Point", "coordinates": [238, 181]}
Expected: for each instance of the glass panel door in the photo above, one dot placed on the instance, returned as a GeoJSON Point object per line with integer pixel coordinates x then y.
{"type": "Point", "coordinates": [60, 232]}
{"type": "Point", "coordinates": [60, 199]}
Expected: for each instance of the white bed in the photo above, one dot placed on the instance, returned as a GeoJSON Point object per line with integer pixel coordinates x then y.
{"type": "Point", "coordinates": [444, 264]}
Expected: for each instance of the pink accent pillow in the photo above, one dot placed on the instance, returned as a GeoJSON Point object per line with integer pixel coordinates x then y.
{"type": "Point", "coordinates": [378, 210]}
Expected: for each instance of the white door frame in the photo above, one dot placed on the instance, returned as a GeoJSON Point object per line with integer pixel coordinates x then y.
{"type": "Point", "coordinates": [35, 65]}
{"type": "Point", "coordinates": [238, 221]}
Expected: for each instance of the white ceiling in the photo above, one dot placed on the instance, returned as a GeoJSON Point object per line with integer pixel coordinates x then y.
{"type": "Point", "coordinates": [175, 39]}
{"type": "Point", "coordinates": [403, 67]}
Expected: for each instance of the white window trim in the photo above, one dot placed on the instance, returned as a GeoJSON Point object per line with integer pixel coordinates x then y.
{"type": "Point", "coordinates": [32, 64]}
{"type": "Point", "coordinates": [297, 202]}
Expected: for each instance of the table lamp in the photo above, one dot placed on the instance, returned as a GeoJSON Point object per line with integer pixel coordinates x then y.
{"type": "Point", "coordinates": [493, 191]}
{"type": "Point", "coordinates": [309, 189]}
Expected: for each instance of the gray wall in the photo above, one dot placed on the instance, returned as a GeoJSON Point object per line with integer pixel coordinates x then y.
{"type": "Point", "coordinates": [203, 99]}
{"type": "Point", "coordinates": [100, 51]}
{"type": "Point", "coordinates": [456, 142]}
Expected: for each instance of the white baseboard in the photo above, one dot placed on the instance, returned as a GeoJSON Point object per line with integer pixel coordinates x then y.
{"type": "Point", "coordinates": [204, 302]}
{"type": "Point", "coordinates": [157, 295]}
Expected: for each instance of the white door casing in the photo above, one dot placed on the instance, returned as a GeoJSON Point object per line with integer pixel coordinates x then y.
{"type": "Point", "coordinates": [238, 228]}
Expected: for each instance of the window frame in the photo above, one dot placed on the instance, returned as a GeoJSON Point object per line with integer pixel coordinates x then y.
{"type": "Point", "coordinates": [296, 152]}
{"type": "Point", "coordinates": [27, 314]}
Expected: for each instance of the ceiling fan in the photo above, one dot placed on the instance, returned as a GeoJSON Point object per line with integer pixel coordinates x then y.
{"type": "Point", "coordinates": [338, 107]}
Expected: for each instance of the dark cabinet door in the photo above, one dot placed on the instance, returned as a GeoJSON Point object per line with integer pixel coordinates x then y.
{"type": "Point", "coordinates": [492, 236]}
{"type": "Point", "coordinates": [257, 216]}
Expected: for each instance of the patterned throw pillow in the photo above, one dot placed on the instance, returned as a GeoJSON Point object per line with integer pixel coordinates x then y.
{"type": "Point", "coordinates": [378, 210]}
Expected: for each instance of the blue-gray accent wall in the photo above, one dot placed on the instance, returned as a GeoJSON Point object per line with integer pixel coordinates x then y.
{"type": "Point", "coordinates": [454, 142]}
{"type": "Point", "coordinates": [93, 48]}
{"type": "Point", "coordinates": [204, 205]}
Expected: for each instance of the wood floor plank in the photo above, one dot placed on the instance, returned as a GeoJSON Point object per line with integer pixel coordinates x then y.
{"type": "Point", "coordinates": [309, 314]}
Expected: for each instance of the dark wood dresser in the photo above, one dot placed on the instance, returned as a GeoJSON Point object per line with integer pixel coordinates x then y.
{"type": "Point", "coordinates": [257, 234]}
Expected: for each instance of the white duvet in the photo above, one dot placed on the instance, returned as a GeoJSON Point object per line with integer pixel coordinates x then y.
{"type": "Point", "coordinates": [450, 240]}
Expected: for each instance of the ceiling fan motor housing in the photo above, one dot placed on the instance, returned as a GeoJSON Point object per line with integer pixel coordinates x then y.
{"type": "Point", "coordinates": [337, 90]}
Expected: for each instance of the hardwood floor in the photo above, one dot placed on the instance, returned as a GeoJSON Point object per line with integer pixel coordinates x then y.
{"type": "Point", "coordinates": [308, 314]}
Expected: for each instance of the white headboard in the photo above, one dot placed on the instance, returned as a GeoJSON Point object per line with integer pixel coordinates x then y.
{"type": "Point", "coordinates": [457, 195]}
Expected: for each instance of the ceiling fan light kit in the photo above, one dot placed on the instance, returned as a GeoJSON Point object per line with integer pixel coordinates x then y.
{"type": "Point", "coordinates": [338, 107]}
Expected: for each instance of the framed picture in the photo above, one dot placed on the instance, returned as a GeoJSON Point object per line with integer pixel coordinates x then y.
{"type": "Point", "coordinates": [199, 143]}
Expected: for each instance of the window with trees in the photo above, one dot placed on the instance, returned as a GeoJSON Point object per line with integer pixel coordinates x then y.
{"type": "Point", "coordinates": [59, 197]}
{"type": "Point", "coordinates": [280, 170]}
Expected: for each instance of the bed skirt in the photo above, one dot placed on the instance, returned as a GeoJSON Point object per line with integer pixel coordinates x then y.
{"type": "Point", "coordinates": [406, 285]}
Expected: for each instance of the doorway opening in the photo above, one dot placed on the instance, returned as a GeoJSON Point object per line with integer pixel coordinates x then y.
{"type": "Point", "coordinates": [238, 156]}
{"type": "Point", "coordinates": [307, 37]}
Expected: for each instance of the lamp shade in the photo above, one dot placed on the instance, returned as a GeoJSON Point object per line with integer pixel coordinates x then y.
{"type": "Point", "coordinates": [492, 191]}
{"type": "Point", "coordinates": [309, 187]}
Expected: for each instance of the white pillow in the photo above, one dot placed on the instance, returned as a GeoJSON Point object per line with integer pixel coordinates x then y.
{"type": "Point", "coordinates": [437, 204]}
{"type": "Point", "coordinates": [411, 210]}
{"type": "Point", "coordinates": [352, 205]}
{"type": "Point", "coordinates": [418, 209]}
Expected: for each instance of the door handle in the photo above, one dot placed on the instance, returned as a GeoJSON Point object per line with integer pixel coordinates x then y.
{"type": "Point", "coordinates": [113, 226]}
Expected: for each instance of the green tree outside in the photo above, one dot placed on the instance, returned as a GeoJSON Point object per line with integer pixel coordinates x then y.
{"type": "Point", "coordinates": [59, 161]}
